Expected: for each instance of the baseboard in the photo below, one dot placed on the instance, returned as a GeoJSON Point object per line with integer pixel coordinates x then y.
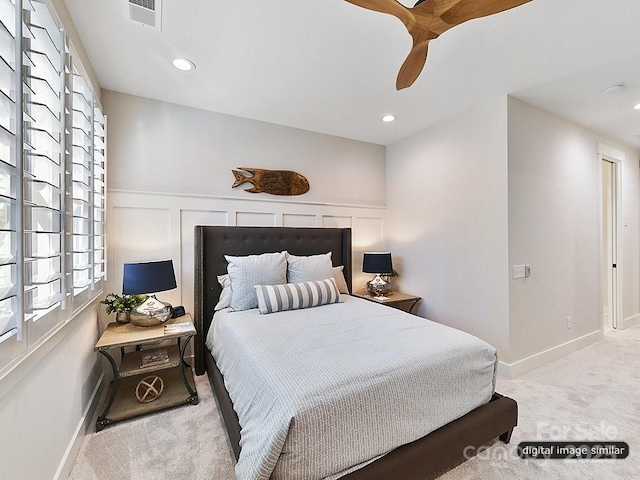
{"type": "Point", "coordinates": [70, 454]}
{"type": "Point", "coordinates": [631, 322]}
{"type": "Point", "coordinates": [512, 370]}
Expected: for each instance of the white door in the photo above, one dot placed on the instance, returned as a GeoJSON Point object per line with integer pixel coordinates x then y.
{"type": "Point", "coordinates": [609, 244]}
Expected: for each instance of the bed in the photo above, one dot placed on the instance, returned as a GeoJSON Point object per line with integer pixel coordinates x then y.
{"type": "Point", "coordinates": [425, 457]}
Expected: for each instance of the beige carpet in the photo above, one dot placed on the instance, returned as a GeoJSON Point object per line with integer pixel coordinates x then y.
{"type": "Point", "coordinates": [591, 394]}
{"type": "Point", "coordinates": [187, 442]}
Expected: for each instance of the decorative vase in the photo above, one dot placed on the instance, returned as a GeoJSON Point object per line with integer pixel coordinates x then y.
{"type": "Point", "coordinates": [378, 287]}
{"type": "Point", "coordinates": [122, 317]}
{"type": "Point", "coordinates": [151, 313]}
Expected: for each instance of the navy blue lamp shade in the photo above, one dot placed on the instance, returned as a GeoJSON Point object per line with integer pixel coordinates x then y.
{"type": "Point", "coordinates": [377, 262]}
{"type": "Point", "coordinates": [148, 277]}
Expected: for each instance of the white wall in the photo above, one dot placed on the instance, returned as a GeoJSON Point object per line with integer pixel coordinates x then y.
{"type": "Point", "coordinates": [163, 147]}
{"type": "Point", "coordinates": [447, 221]}
{"type": "Point", "coordinates": [631, 232]}
{"type": "Point", "coordinates": [188, 154]}
{"type": "Point", "coordinates": [555, 188]}
{"type": "Point", "coordinates": [501, 185]}
{"type": "Point", "coordinates": [45, 401]}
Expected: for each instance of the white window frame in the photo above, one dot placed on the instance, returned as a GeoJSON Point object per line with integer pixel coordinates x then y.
{"type": "Point", "coordinates": [34, 330]}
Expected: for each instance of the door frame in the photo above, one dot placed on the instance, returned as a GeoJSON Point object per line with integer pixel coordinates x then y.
{"type": "Point", "coordinates": [617, 157]}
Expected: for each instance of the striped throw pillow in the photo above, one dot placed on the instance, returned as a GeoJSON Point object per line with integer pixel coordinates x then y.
{"type": "Point", "coordinates": [292, 296]}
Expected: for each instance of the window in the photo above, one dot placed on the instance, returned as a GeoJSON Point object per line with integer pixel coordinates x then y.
{"type": "Point", "coordinates": [11, 327]}
{"type": "Point", "coordinates": [99, 198]}
{"type": "Point", "coordinates": [43, 166]}
{"type": "Point", "coordinates": [87, 191]}
{"type": "Point", "coordinates": [52, 181]}
{"type": "Point", "coordinates": [82, 182]}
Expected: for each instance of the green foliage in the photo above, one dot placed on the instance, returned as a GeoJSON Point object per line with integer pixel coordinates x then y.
{"type": "Point", "coordinates": [122, 303]}
{"type": "Point", "coordinates": [389, 276]}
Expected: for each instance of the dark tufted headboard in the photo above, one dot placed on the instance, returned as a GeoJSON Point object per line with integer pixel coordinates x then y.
{"type": "Point", "coordinates": [212, 243]}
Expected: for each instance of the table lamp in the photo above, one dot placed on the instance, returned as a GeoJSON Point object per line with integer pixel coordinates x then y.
{"type": "Point", "coordinates": [149, 278]}
{"type": "Point", "coordinates": [379, 263]}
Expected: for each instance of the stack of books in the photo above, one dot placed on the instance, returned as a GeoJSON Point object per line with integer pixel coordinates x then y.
{"type": "Point", "coordinates": [150, 359]}
{"type": "Point", "coordinates": [179, 327]}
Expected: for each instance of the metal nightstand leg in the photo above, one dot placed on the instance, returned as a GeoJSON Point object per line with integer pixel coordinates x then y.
{"type": "Point", "coordinates": [415, 302]}
{"type": "Point", "coordinates": [193, 395]}
{"type": "Point", "coordinates": [103, 421]}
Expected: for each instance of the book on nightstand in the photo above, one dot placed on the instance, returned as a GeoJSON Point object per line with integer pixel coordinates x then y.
{"type": "Point", "coordinates": [177, 328]}
{"type": "Point", "coordinates": [154, 358]}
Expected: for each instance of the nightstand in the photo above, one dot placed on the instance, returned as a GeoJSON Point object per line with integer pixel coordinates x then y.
{"type": "Point", "coordinates": [399, 300]}
{"type": "Point", "coordinates": [166, 362]}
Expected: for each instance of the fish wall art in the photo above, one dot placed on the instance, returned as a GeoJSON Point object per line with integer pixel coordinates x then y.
{"type": "Point", "coordinates": [274, 182]}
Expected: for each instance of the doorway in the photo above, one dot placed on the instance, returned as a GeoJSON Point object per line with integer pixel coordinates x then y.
{"type": "Point", "coordinates": [609, 244]}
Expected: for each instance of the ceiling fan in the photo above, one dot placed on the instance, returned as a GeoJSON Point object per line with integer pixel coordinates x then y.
{"type": "Point", "coordinates": [428, 19]}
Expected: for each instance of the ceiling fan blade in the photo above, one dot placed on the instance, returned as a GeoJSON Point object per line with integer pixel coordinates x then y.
{"type": "Point", "coordinates": [465, 10]}
{"type": "Point", "coordinates": [392, 7]}
{"type": "Point", "coordinates": [441, 6]}
{"type": "Point", "coordinates": [413, 65]}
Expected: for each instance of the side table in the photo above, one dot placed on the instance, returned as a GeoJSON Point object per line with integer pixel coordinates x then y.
{"type": "Point", "coordinates": [176, 374]}
{"type": "Point", "coordinates": [399, 300]}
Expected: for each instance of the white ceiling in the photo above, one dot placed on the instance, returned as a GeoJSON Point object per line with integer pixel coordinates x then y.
{"type": "Point", "coordinates": [329, 66]}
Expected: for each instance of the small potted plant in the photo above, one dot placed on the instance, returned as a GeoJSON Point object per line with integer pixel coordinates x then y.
{"type": "Point", "coordinates": [391, 278]}
{"type": "Point", "coordinates": [122, 305]}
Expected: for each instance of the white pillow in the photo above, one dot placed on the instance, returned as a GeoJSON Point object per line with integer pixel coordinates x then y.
{"type": "Point", "coordinates": [338, 276]}
{"type": "Point", "coordinates": [225, 296]}
{"type": "Point", "coordinates": [292, 296]}
{"type": "Point", "coordinates": [245, 272]}
{"type": "Point", "coordinates": [309, 269]}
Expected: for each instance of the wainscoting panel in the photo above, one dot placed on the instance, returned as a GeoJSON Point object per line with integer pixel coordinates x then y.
{"type": "Point", "coordinates": [201, 217]}
{"type": "Point", "coordinates": [298, 220]}
{"type": "Point", "coordinates": [136, 234]}
{"type": "Point", "coordinates": [333, 221]}
{"type": "Point", "coordinates": [255, 219]}
{"type": "Point", "coordinates": [371, 233]}
{"type": "Point", "coordinates": [153, 226]}
{"type": "Point", "coordinates": [188, 220]}
{"type": "Point", "coordinates": [370, 238]}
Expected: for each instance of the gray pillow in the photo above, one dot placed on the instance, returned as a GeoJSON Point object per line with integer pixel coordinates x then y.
{"type": "Point", "coordinates": [309, 269]}
{"type": "Point", "coordinates": [245, 272]}
{"type": "Point", "coordinates": [225, 295]}
{"type": "Point", "coordinates": [338, 276]}
{"type": "Point", "coordinates": [292, 296]}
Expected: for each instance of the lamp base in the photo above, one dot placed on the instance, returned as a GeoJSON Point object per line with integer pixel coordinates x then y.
{"type": "Point", "coordinates": [378, 287]}
{"type": "Point", "coordinates": [152, 312]}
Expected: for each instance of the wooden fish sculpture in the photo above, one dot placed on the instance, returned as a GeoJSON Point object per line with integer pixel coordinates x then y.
{"type": "Point", "coordinates": [274, 182]}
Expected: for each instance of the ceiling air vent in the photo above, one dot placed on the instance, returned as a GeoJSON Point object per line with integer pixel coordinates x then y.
{"type": "Point", "coordinates": [146, 12]}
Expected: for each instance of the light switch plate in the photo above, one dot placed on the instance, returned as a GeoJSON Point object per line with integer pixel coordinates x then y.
{"type": "Point", "coordinates": [519, 271]}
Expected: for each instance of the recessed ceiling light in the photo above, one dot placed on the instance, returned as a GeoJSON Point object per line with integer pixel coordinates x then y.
{"type": "Point", "coordinates": [184, 64]}
{"type": "Point", "coordinates": [637, 107]}
{"type": "Point", "coordinates": [389, 118]}
{"type": "Point", "coordinates": [615, 88]}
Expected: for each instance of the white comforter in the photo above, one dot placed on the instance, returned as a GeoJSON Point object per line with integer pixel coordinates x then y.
{"type": "Point", "coordinates": [320, 390]}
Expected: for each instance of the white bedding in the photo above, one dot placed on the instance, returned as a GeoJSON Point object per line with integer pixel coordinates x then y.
{"type": "Point", "coordinates": [320, 390]}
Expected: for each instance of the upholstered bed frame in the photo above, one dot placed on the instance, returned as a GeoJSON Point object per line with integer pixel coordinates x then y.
{"type": "Point", "coordinates": [426, 457]}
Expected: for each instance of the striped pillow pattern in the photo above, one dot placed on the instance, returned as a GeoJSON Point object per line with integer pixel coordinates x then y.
{"type": "Point", "coordinates": [292, 296]}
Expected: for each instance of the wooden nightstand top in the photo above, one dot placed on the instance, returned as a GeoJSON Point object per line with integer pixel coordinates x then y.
{"type": "Point", "coordinates": [399, 300]}
{"type": "Point", "coordinates": [391, 298]}
{"type": "Point", "coordinates": [122, 335]}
